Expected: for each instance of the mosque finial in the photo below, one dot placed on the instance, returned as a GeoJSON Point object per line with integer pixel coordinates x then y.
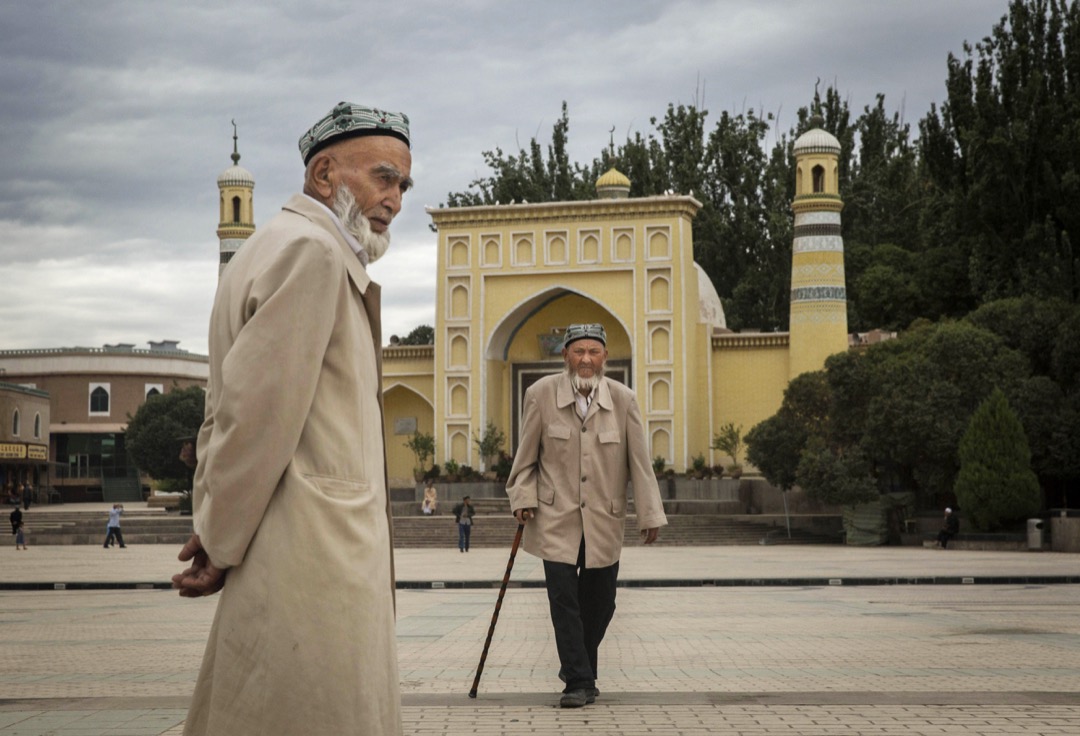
{"type": "Point", "coordinates": [611, 133]}
{"type": "Point", "coordinates": [235, 152]}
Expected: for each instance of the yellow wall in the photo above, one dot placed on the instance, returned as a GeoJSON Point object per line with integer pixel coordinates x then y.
{"type": "Point", "coordinates": [400, 403]}
{"type": "Point", "coordinates": [750, 373]}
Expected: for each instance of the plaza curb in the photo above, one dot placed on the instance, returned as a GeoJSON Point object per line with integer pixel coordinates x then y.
{"type": "Point", "coordinates": [779, 582]}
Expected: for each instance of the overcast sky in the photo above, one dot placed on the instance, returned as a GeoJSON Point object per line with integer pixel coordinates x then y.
{"type": "Point", "coordinates": [115, 119]}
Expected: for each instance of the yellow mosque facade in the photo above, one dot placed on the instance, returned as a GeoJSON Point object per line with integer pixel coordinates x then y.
{"type": "Point", "coordinates": [511, 277]}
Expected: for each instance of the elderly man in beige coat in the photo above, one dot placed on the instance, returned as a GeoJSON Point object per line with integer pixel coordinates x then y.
{"type": "Point", "coordinates": [582, 440]}
{"type": "Point", "coordinates": [292, 514]}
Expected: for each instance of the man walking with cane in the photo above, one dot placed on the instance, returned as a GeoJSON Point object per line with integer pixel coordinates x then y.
{"type": "Point", "coordinates": [582, 440]}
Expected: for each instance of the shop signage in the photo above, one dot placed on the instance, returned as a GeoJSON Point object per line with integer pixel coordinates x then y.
{"type": "Point", "coordinates": [12, 451]}
{"type": "Point", "coordinates": [37, 452]}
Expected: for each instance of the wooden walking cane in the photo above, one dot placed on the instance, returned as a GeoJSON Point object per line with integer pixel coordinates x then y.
{"type": "Point", "coordinates": [498, 605]}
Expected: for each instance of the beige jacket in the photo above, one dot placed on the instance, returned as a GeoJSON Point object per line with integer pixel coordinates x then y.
{"type": "Point", "coordinates": [575, 472]}
{"type": "Point", "coordinates": [290, 493]}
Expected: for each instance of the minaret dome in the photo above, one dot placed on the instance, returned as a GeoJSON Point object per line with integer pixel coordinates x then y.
{"type": "Point", "coordinates": [236, 222]}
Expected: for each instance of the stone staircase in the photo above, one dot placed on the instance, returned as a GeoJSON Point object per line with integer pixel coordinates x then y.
{"type": "Point", "coordinates": [88, 527]}
{"type": "Point", "coordinates": [122, 489]}
{"type": "Point", "coordinates": [493, 526]}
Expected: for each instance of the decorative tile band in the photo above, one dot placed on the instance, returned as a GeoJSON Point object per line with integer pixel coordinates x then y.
{"type": "Point", "coordinates": [817, 218]}
{"type": "Point", "coordinates": [818, 294]}
{"type": "Point", "coordinates": [805, 231]}
{"type": "Point", "coordinates": [818, 243]}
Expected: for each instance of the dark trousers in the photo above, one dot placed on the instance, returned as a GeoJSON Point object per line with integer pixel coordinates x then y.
{"type": "Point", "coordinates": [464, 531]}
{"type": "Point", "coordinates": [114, 531]}
{"type": "Point", "coordinates": [582, 602]}
{"type": "Point", "coordinates": [943, 538]}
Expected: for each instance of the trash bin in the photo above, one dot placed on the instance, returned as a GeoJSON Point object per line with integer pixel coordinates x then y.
{"type": "Point", "coordinates": [1035, 533]}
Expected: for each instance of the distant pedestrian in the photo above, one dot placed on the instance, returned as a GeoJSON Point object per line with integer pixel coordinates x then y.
{"type": "Point", "coordinates": [20, 536]}
{"type": "Point", "coordinates": [463, 515]}
{"type": "Point", "coordinates": [16, 519]}
{"type": "Point", "coordinates": [950, 527]}
{"type": "Point", "coordinates": [27, 495]}
{"type": "Point", "coordinates": [114, 526]}
{"type": "Point", "coordinates": [431, 498]}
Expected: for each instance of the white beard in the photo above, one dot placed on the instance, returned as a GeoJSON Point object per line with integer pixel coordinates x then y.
{"type": "Point", "coordinates": [348, 211]}
{"type": "Point", "coordinates": [584, 384]}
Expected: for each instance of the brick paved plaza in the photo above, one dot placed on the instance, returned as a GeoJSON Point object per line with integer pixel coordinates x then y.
{"type": "Point", "coordinates": [955, 655]}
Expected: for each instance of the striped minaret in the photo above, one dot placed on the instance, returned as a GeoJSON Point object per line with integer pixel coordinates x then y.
{"type": "Point", "coordinates": [237, 217]}
{"type": "Point", "coordinates": [818, 297]}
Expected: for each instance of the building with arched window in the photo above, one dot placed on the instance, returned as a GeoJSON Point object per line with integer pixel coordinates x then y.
{"type": "Point", "coordinates": [24, 439]}
{"type": "Point", "coordinates": [88, 395]}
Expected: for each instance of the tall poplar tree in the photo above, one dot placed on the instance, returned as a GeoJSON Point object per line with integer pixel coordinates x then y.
{"type": "Point", "coordinates": [996, 485]}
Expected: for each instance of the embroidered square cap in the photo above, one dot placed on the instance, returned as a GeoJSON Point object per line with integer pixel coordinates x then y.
{"type": "Point", "coordinates": [594, 331]}
{"type": "Point", "coordinates": [348, 120]}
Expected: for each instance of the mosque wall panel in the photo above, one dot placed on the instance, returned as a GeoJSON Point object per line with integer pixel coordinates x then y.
{"type": "Point", "coordinates": [457, 247]}
{"type": "Point", "coordinates": [491, 249]}
{"type": "Point", "coordinates": [659, 292]}
{"type": "Point", "coordinates": [622, 244]}
{"type": "Point", "coordinates": [524, 249]}
{"type": "Point", "coordinates": [556, 252]}
{"type": "Point", "coordinates": [659, 346]}
{"type": "Point", "coordinates": [589, 246]}
{"type": "Point", "coordinates": [658, 241]}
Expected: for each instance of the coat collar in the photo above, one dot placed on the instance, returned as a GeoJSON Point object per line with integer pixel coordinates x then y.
{"type": "Point", "coordinates": [306, 207]}
{"type": "Point", "coordinates": [564, 394]}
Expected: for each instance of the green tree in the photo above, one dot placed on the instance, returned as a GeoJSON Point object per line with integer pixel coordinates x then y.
{"type": "Point", "coordinates": [153, 434]}
{"type": "Point", "coordinates": [729, 440]}
{"type": "Point", "coordinates": [775, 445]}
{"type": "Point", "coordinates": [422, 335]}
{"type": "Point", "coordinates": [489, 444]}
{"type": "Point", "coordinates": [832, 477]}
{"type": "Point", "coordinates": [1003, 156]}
{"type": "Point", "coordinates": [422, 445]}
{"type": "Point", "coordinates": [995, 485]}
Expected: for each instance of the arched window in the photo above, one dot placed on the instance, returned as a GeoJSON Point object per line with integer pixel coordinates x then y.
{"type": "Point", "coordinates": [99, 400]}
{"type": "Point", "coordinates": [37, 426]}
{"type": "Point", "coordinates": [236, 209]}
{"type": "Point", "coordinates": [15, 423]}
{"type": "Point", "coordinates": [819, 179]}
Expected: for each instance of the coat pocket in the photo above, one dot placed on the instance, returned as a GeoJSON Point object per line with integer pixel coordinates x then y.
{"type": "Point", "coordinates": [546, 494]}
{"type": "Point", "coordinates": [610, 437]}
{"type": "Point", "coordinates": [558, 431]}
{"type": "Point", "coordinates": [618, 507]}
{"type": "Point", "coordinates": [339, 488]}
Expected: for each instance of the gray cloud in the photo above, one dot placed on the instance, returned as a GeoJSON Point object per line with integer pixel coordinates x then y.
{"type": "Point", "coordinates": [115, 119]}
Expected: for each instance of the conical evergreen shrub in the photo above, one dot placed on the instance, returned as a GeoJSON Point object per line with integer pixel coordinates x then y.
{"type": "Point", "coordinates": [995, 485]}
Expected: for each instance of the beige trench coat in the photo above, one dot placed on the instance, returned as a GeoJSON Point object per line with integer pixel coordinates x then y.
{"type": "Point", "coordinates": [290, 493]}
{"type": "Point", "coordinates": [574, 472]}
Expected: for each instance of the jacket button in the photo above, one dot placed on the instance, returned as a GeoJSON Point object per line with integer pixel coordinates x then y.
{"type": "Point", "coordinates": [584, 429]}
{"type": "Point", "coordinates": [582, 504]}
{"type": "Point", "coordinates": [584, 478]}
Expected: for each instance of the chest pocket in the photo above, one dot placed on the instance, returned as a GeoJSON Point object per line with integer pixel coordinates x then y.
{"type": "Point", "coordinates": [559, 432]}
{"type": "Point", "coordinates": [611, 437]}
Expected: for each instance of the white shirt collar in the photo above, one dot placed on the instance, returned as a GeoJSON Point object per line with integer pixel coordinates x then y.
{"type": "Point", "coordinates": [354, 244]}
{"type": "Point", "coordinates": [583, 401]}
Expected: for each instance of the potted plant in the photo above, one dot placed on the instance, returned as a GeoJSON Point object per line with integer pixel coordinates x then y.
{"type": "Point", "coordinates": [423, 447]}
{"type": "Point", "coordinates": [658, 464]}
{"type": "Point", "coordinates": [729, 440]}
{"type": "Point", "coordinates": [698, 466]}
{"type": "Point", "coordinates": [489, 444]}
{"type": "Point", "coordinates": [453, 470]}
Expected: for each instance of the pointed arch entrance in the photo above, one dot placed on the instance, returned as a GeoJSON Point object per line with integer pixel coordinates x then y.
{"type": "Point", "coordinates": [528, 342]}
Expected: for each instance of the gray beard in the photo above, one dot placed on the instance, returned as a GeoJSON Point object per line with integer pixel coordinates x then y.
{"type": "Point", "coordinates": [348, 211]}
{"type": "Point", "coordinates": [584, 384]}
